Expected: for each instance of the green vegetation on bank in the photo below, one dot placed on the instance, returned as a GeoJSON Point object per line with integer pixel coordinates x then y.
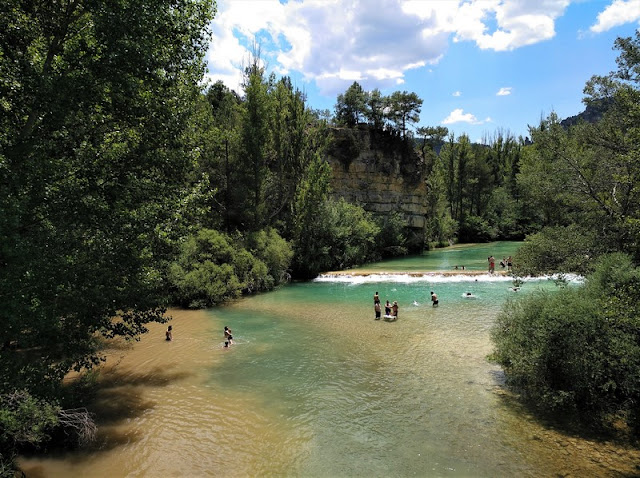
{"type": "Point", "coordinates": [578, 350]}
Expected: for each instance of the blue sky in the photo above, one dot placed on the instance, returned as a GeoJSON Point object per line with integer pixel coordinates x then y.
{"type": "Point", "coordinates": [480, 66]}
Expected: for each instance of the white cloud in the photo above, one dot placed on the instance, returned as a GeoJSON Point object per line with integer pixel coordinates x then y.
{"type": "Point", "coordinates": [456, 93]}
{"type": "Point", "coordinates": [618, 13]}
{"type": "Point", "coordinates": [459, 116]}
{"type": "Point", "coordinates": [504, 91]}
{"type": "Point", "coordinates": [517, 22]}
{"type": "Point", "coordinates": [375, 42]}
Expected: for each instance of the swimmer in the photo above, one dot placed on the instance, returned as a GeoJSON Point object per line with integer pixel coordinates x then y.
{"type": "Point", "coordinates": [468, 295]}
{"type": "Point", "coordinates": [515, 289]}
{"type": "Point", "coordinates": [226, 345]}
{"type": "Point", "coordinates": [434, 299]}
{"type": "Point", "coordinates": [169, 333]}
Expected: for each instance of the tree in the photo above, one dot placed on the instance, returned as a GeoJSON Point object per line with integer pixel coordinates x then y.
{"type": "Point", "coordinates": [590, 173]}
{"type": "Point", "coordinates": [351, 107]}
{"type": "Point", "coordinates": [256, 138]}
{"type": "Point", "coordinates": [432, 140]}
{"type": "Point", "coordinates": [376, 109]}
{"type": "Point", "coordinates": [289, 126]}
{"type": "Point", "coordinates": [577, 350]}
{"type": "Point", "coordinates": [404, 110]}
{"type": "Point", "coordinates": [310, 253]}
{"type": "Point", "coordinates": [96, 99]}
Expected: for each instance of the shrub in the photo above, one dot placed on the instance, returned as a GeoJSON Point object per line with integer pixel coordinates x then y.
{"type": "Point", "coordinates": [341, 236]}
{"type": "Point", "coordinates": [566, 249]}
{"type": "Point", "coordinates": [210, 269]}
{"type": "Point", "coordinates": [274, 251]}
{"type": "Point", "coordinates": [476, 229]}
{"type": "Point", "coordinates": [24, 421]}
{"type": "Point", "coordinates": [577, 349]}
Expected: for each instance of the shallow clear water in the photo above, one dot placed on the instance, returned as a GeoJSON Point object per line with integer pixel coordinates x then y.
{"type": "Point", "coordinates": [314, 386]}
{"type": "Point", "coordinates": [472, 256]}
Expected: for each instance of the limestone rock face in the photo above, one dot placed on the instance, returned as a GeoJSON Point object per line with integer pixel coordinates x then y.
{"type": "Point", "coordinates": [380, 172]}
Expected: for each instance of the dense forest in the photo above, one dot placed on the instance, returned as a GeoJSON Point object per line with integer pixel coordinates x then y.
{"type": "Point", "coordinates": [127, 187]}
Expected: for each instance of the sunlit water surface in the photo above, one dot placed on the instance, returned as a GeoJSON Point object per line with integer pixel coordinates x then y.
{"type": "Point", "coordinates": [314, 386]}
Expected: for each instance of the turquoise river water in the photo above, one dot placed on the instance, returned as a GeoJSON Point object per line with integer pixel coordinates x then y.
{"type": "Point", "coordinates": [315, 387]}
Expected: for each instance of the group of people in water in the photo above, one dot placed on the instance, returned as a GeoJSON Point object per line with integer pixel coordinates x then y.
{"type": "Point", "coordinates": [505, 262]}
{"type": "Point", "coordinates": [390, 310]}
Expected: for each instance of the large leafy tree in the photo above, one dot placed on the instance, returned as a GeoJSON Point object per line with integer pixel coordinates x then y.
{"type": "Point", "coordinates": [578, 349]}
{"type": "Point", "coordinates": [95, 100]}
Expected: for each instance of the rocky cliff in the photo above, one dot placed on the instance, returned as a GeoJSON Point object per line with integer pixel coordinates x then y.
{"type": "Point", "coordinates": [380, 172]}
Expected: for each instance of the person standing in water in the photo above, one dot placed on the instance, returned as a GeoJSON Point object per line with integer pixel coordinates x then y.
{"type": "Point", "coordinates": [376, 298]}
{"type": "Point", "coordinates": [434, 299]}
{"type": "Point", "coordinates": [387, 308]}
{"type": "Point", "coordinates": [492, 264]}
{"type": "Point", "coordinates": [169, 333]}
{"type": "Point", "coordinates": [394, 308]}
{"type": "Point", "coordinates": [227, 335]}
{"type": "Point", "coordinates": [377, 308]}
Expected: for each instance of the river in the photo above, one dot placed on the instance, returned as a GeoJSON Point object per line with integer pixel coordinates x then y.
{"type": "Point", "coordinates": [315, 386]}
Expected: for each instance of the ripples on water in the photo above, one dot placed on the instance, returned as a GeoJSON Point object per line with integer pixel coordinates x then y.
{"type": "Point", "coordinates": [316, 387]}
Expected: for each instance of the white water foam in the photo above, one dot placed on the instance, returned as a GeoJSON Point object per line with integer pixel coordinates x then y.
{"type": "Point", "coordinates": [439, 278]}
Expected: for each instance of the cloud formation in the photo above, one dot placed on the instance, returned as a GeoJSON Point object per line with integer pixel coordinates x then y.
{"type": "Point", "coordinates": [456, 93]}
{"type": "Point", "coordinates": [459, 116]}
{"type": "Point", "coordinates": [504, 91]}
{"type": "Point", "coordinates": [377, 42]}
{"type": "Point", "coordinates": [618, 13]}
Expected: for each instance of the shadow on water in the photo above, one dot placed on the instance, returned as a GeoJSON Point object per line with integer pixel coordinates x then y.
{"type": "Point", "coordinates": [155, 377]}
{"type": "Point", "coordinates": [119, 394]}
{"type": "Point", "coordinates": [118, 397]}
{"type": "Point", "coordinates": [117, 405]}
{"type": "Point", "coordinates": [610, 451]}
{"type": "Point", "coordinates": [107, 440]}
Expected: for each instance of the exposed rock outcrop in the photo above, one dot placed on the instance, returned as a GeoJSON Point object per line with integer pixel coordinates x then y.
{"type": "Point", "coordinates": [380, 172]}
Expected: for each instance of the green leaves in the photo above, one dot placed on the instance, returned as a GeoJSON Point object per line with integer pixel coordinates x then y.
{"type": "Point", "coordinates": [96, 98]}
{"type": "Point", "coordinates": [577, 348]}
{"type": "Point", "coordinates": [213, 267]}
